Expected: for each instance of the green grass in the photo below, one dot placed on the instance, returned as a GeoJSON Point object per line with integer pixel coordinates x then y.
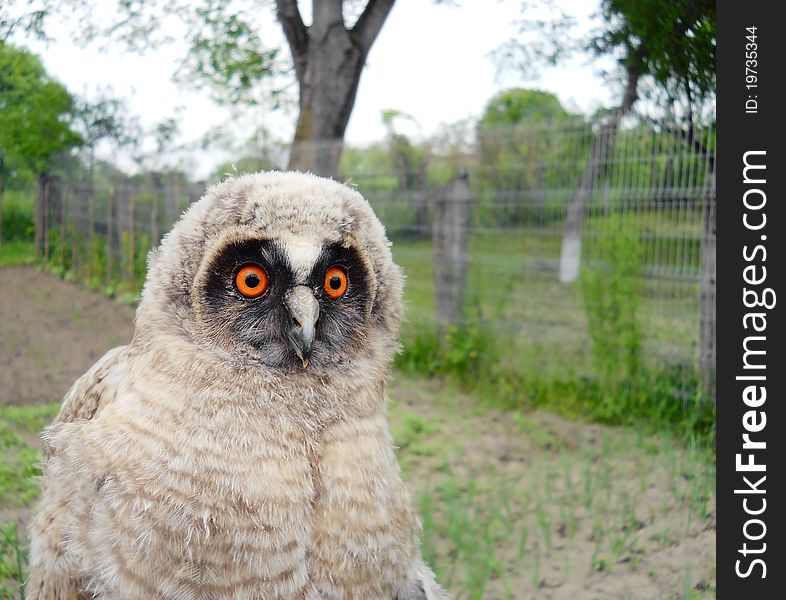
{"type": "Point", "coordinates": [17, 252]}
{"type": "Point", "coordinates": [567, 503]}
{"type": "Point", "coordinates": [20, 459]}
{"type": "Point", "coordinates": [20, 467]}
{"type": "Point", "coordinates": [13, 562]}
{"type": "Point", "coordinates": [17, 247]}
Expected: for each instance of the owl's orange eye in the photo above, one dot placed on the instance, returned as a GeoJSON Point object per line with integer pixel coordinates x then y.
{"type": "Point", "coordinates": [335, 282]}
{"type": "Point", "coordinates": [251, 281]}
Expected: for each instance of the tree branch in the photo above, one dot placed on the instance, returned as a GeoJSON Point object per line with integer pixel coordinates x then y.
{"type": "Point", "coordinates": [687, 136]}
{"type": "Point", "coordinates": [370, 23]}
{"type": "Point", "coordinates": [295, 32]}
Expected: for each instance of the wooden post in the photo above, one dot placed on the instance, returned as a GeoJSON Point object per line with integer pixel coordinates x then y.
{"type": "Point", "coordinates": [2, 189]}
{"type": "Point", "coordinates": [131, 234]}
{"type": "Point", "coordinates": [39, 216]}
{"type": "Point", "coordinates": [196, 192]}
{"type": "Point", "coordinates": [76, 197]}
{"type": "Point", "coordinates": [173, 199]}
{"type": "Point", "coordinates": [450, 239]}
{"type": "Point", "coordinates": [422, 196]}
{"type": "Point", "coordinates": [158, 185]}
{"type": "Point", "coordinates": [45, 222]}
{"type": "Point", "coordinates": [91, 265]}
{"type": "Point", "coordinates": [122, 238]}
{"type": "Point", "coordinates": [63, 231]}
{"type": "Point", "coordinates": [109, 206]}
{"type": "Point", "coordinates": [707, 274]}
{"type": "Point", "coordinates": [171, 194]}
{"type": "Point", "coordinates": [539, 196]}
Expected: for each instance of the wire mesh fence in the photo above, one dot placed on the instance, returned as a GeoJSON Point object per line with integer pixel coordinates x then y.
{"type": "Point", "coordinates": [104, 235]}
{"type": "Point", "coordinates": [650, 192]}
{"type": "Point", "coordinates": [487, 232]}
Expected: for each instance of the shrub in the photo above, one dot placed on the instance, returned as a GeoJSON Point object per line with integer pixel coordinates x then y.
{"type": "Point", "coordinates": [612, 294]}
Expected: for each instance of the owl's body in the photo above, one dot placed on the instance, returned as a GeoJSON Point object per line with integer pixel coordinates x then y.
{"type": "Point", "coordinates": [188, 465]}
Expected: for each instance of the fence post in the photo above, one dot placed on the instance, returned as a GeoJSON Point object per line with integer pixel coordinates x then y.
{"type": "Point", "coordinates": [450, 237]}
{"type": "Point", "coordinates": [76, 207]}
{"type": "Point", "coordinates": [158, 189]}
{"type": "Point", "coordinates": [131, 234]}
{"type": "Point", "coordinates": [39, 215]}
{"type": "Point", "coordinates": [121, 238]}
{"type": "Point", "coordinates": [2, 189]}
{"type": "Point", "coordinates": [421, 195]}
{"type": "Point", "coordinates": [171, 200]}
{"type": "Point", "coordinates": [109, 208]}
{"type": "Point", "coordinates": [177, 197]}
{"type": "Point", "coordinates": [540, 192]}
{"type": "Point", "coordinates": [63, 202]}
{"type": "Point", "coordinates": [707, 274]}
{"type": "Point", "coordinates": [196, 191]}
{"type": "Point", "coordinates": [91, 266]}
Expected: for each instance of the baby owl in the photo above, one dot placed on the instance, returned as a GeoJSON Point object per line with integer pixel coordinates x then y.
{"type": "Point", "coordinates": [238, 447]}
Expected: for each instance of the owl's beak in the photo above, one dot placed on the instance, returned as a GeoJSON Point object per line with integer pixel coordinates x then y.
{"type": "Point", "coordinates": [304, 308]}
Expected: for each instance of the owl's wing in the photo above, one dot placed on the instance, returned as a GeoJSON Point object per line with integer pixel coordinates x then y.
{"type": "Point", "coordinates": [90, 391]}
{"type": "Point", "coordinates": [50, 577]}
{"type": "Point", "coordinates": [421, 585]}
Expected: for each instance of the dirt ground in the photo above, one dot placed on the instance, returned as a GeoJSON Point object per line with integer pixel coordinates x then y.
{"type": "Point", "coordinates": [514, 506]}
{"type": "Point", "coordinates": [52, 331]}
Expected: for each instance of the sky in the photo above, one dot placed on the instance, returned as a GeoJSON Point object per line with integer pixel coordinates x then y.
{"type": "Point", "coordinates": [430, 61]}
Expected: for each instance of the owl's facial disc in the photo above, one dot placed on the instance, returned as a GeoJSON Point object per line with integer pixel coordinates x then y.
{"type": "Point", "coordinates": [289, 304]}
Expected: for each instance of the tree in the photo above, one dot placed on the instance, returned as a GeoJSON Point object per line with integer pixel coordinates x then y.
{"type": "Point", "coordinates": [35, 114]}
{"type": "Point", "coordinates": [672, 43]}
{"type": "Point", "coordinates": [406, 158]}
{"type": "Point", "coordinates": [103, 119]}
{"type": "Point", "coordinates": [227, 52]}
{"type": "Point", "coordinates": [513, 153]}
{"type": "Point", "coordinates": [28, 20]}
{"type": "Point", "coordinates": [329, 59]}
{"type": "Point", "coordinates": [671, 47]}
{"type": "Point", "coordinates": [516, 106]}
{"type": "Point", "coordinates": [411, 165]}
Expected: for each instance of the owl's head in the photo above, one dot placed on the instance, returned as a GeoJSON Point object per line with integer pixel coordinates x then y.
{"type": "Point", "coordinates": [287, 271]}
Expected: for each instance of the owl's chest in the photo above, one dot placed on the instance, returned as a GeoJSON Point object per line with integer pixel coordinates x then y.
{"type": "Point", "coordinates": [279, 518]}
{"type": "Point", "coordinates": [364, 530]}
{"type": "Point", "coordinates": [180, 515]}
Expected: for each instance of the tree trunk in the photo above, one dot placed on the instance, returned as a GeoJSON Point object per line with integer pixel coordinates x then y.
{"type": "Point", "coordinates": [570, 255]}
{"type": "Point", "coordinates": [329, 59]}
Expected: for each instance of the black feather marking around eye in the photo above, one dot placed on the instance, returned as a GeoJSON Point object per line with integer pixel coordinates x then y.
{"type": "Point", "coordinates": [220, 286]}
{"type": "Point", "coordinates": [342, 321]}
{"type": "Point", "coordinates": [336, 255]}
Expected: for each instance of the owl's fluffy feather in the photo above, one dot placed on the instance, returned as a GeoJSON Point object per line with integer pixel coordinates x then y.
{"type": "Point", "coordinates": [180, 467]}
